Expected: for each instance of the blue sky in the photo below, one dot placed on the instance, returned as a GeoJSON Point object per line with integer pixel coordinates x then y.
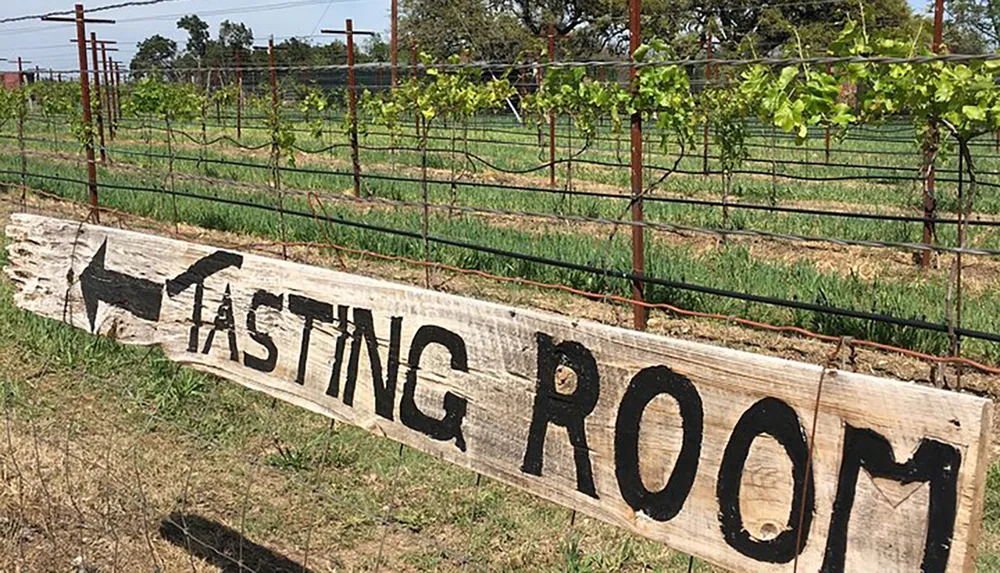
{"type": "Point", "coordinates": [48, 46]}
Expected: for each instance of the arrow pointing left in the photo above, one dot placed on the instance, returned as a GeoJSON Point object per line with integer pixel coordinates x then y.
{"type": "Point", "coordinates": [141, 297]}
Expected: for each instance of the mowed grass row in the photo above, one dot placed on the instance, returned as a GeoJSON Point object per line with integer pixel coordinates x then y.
{"type": "Point", "coordinates": [897, 199]}
{"type": "Point", "coordinates": [512, 146]}
{"type": "Point", "coordinates": [728, 267]}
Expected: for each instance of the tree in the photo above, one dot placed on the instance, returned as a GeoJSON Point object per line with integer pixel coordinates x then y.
{"type": "Point", "coordinates": [235, 36]}
{"type": "Point", "coordinates": [973, 26]}
{"type": "Point", "coordinates": [198, 35]}
{"type": "Point", "coordinates": [566, 15]}
{"type": "Point", "coordinates": [153, 55]}
{"type": "Point", "coordinates": [376, 50]}
{"type": "Point", "coordinates": [476, 27]}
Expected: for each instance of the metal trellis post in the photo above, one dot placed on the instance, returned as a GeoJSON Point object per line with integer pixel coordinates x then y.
{"type": "Point", "coordinates": [638, 231]}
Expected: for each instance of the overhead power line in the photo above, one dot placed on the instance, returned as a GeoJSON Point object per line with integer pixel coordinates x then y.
{"type": "Point", "coordinates": [241, 10]}
{"type": "Point", "coordinates": [132, 4]}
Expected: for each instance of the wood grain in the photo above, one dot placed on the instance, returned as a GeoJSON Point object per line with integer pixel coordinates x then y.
{"type": "Point", "coordinates": [495, 391]}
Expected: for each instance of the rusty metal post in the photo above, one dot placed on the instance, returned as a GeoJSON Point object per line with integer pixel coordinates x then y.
{"type": "Point", "coordinates": [352, 108]}
{"type": "Point", "coordinates": [930, 148]}
{"type": "Point", "coordinates": [708, 78]}
{"type": "Point", "coordinates": [541, 117]}
{"type": "Point", "coordinates": [829, 71]}
{"type": "Point", "coordinates": [638, 232]}
{"type": "Point", "coordinates": [274, 75]}
{"type": "Point", "coordinates": [394, 41]}
{"type": "Point", "coordinates": [938, 25]}
{"type": "Point", "coordinates": [415, 58]}
{"type": "Point", "coordinates": [239, 95]}
{"type": "Point", "coordinates": [118, 90]}
{"type": "Point", "coordinates": [21, 113]}
{"type": "Point", "coordinates": [97, 92]}
{"type": "Point", "coordinates": [276, 170]}
{"type": "Point", "coordinates": [81, 43]}
{"type": "Point", "coordinates": [552, 115]}
{"type": "Point", "coordinates": [108, 92]}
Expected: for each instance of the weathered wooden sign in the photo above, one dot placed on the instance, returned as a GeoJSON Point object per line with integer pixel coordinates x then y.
{"type": "Point", "coordinates": [703, 448]}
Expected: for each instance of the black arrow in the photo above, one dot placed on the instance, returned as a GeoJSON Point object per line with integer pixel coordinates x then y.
{"type": "Point", "coordinates": [138, 296]}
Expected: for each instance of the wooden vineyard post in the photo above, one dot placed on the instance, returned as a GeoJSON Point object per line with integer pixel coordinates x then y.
{"type": "Point", "coordinates": [639, 311]}
{"type": "Point", "coordinates": [753, 463]}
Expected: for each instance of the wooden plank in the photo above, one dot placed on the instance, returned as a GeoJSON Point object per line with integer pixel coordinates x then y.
{"type": "Point", "coordinates": [701, 448]}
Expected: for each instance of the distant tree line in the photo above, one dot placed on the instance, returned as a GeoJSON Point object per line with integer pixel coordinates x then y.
{"type": "Point", "coordinates": [507, 30]}
{"type": "Point", "coordinates": [234, 42]}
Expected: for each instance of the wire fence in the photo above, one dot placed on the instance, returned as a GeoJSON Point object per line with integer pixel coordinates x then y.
{"type": "Point", "coordinates": [823, 250]}
{"type": "Point", "coordinates": [508, 150]}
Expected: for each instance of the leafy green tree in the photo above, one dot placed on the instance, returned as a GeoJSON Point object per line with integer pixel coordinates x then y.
{"type": "Point", "coordinates": [442, 28]}
{"type": "Point", "coordinates": [973, 26]}
{"type": "Point", "coordinates": [198, 35]}
{"type": "Point", "coordinates": [235, 36]}
{"type": "Point", "coordinates": [153, 55]}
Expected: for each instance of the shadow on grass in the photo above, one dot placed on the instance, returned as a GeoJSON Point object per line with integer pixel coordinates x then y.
{"type": "Point", "coordinates": [220, 546]}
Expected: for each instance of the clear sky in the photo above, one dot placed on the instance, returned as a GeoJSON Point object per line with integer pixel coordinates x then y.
{"type": "Point", "coordinates": [47, 45]}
